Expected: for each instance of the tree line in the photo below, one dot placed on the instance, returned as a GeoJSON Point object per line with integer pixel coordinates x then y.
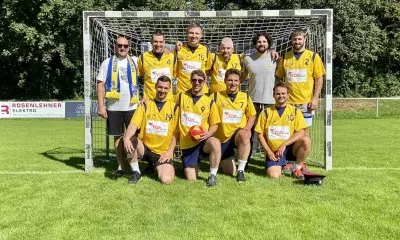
{"type": "Point", "coordinates": [41, 52]}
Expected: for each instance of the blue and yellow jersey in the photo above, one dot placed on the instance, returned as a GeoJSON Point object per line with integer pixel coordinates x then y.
{"type": "Point", "coordinates": [156, 126]}
{"type": "Point", "coordinates": [187, 62]}
{"type": "Point", "coordinates": [234, 114]}
{"type": "Point", "coordinates": [151, 68]}
{"type": "Point", "coordinates": [300, 74]}
{"type": "Point", "coordinates": [277, 129]}
{"type": "Point", "coordinates": [218, 67]}
{"type": "Point", "coordinates": [204, 113]}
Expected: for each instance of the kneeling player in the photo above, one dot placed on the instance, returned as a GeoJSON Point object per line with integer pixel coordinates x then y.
{"type": "Point", "coordinates": [157, 120]}
{"type": "Point", "coordinates": [195, 108]}
{"type": "Point", "coordinates": [237, 114]}
{"type": "Point", "coordinates": [282, 133]}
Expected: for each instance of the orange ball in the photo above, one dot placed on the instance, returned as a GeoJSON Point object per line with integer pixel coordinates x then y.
{"type": "Point", "coordinates": [195, 132]}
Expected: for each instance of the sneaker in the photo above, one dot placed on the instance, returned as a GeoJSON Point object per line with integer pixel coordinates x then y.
{"type": "Point", "coordinates": [134, 178]}
{"type": "Point", "coordinates": [305, 168]}
{"type": "Point", "coordinates": [297, 173]}
{"type": "Point", "coordinates": [212, 180]}
{"type": "Point", "coordinates": [119, 173]}
{"type": "Point", "coordinates": [240, 176]}
{"type": "Point", "coordinates": [287, 169]}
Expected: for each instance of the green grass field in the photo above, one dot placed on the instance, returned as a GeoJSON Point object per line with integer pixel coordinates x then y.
{"type": "Point", "coordinates": [46, 195]}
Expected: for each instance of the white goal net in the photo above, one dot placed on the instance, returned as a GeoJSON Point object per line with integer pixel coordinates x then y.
{"type": "Point", "coordinates": [102, 28]}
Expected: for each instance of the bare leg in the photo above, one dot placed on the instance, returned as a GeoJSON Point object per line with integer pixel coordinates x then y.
{"type": "Point", "coordinates": [228, 166]}
{"type": "Point", "coordinates": [166, 173]}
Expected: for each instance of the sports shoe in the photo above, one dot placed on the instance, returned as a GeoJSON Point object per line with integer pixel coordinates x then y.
{"type": "Point", "coordinates": [240, 176]}
{"type": "Point", "coordinates": [297, 173]}
{"type": "Point", "coordinates": [119, 173]}
{"type": "Point", "coordinates": [134, 178]}
{"type": "Point", "coordinates": [304, 168]}
{"type": "Point", "coordinates": [287, 169]}
{"type": "Point", "coordinates": [212, 180]}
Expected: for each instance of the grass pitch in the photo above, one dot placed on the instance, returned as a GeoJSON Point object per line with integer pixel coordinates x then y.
{"type": "Point", "coordinates": [46, 195]}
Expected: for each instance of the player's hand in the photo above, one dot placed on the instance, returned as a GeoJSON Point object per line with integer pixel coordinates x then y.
{"type": "Point", "coordinates": [165, 157]}
{"type": "Point", "coordinates": [275, 55]}
{"type": "Point", "coordinates": [178, 45]}
{"type": "Point", "coordinates": [204, 136]}
{"type": "Point", "coordinates": [271, 156]}
{"type": "Point", "coordinates": [313, 105]}
{"type": "Point", "coordinates": [102, 111]}
{"type": "Point", "coordinates": [128, 145]}
{"type": "Point", "coordinates": [166, 50]}
{"type": "Point", "coordinates": [143, 101]}
{"type": "Point", "coordinates": [280, 151]}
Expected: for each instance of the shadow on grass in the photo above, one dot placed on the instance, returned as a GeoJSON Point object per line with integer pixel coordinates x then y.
{"type": "Point", "coordinates": [58, 154]}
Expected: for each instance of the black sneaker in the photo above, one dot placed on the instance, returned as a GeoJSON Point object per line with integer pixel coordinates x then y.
{"type": "Point", "coordinates": [134, 178]}
{"type": "Point", "coordinates": [240, 176]}
{"type": "Point", "coordinates": [119, 173]}
{"type": "Point", "coordinates": [212, 180]}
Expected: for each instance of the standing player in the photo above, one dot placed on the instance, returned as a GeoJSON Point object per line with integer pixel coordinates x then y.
{"type": "Point", "coordinates": [117, 83]}
{"type": "Point", "coordinates": [303, 70]}
{"type": "Point", "coordinates": [282, 133]}
{"type": "Point", "coordinates": [237, 114]}
{"type": "Point", "coordinates": [157, 120]}
{"type": "Point", "coordinates": [260, 68]}
{"type": "Point", "coordinates": [198, 109]}
{"type": "Point", "coordinates": [190, 57]}
{"type": "Point", "coordinates": [219, 62]}
{"type": "Point", "coordinates": [154, 64]}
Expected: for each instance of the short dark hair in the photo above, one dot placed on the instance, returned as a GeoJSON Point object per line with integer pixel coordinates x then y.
{"type": "Point", "coordinates": [262, 34]}
{"type": "Point", "coordinates": [231, 71]}
{"type": "Point", "coordinates": [194, 25]}
{"type": "Point", "coordinates": [296, 32]}
{"type": "Point", "coordinates": [281, 84]}
{"type": "Point", "coordinates": [164, 79]}
{"type": "Point", "coordinates": [157, 33]}
{"type": "Point", "coordinates": [198, 72]}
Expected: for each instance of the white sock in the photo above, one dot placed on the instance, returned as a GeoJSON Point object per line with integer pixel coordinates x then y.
{"type": "Point", "coordinates": [213, 171]}
{"type": "Point", "coordinates": [298, 166]}
{"type": "Point", "coordinates": [241, 165]}
{"type": "Point", "coordinates": [135, 166]}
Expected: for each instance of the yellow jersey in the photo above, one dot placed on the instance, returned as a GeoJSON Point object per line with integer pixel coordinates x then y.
{"type": "Point", "coordinates": [187, 62]}
{"type": "Point", "coordinates": [156, 126]}
{"type": "Point", "coordinates": [151, 68]}
{"type": "Point", "coordinates": [300, 74]}
{"type": "Point", "coordinates": [204, 113]}
{"type": "Point", "coordinates": [277, 129]}
{"type": "Point", "coordinates": [233, 114]}
{"type": "Point", "coordinates": [218, 67]}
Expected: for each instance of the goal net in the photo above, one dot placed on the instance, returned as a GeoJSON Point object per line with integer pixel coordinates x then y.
{"type": "Point", "coordinates": [102, 28]}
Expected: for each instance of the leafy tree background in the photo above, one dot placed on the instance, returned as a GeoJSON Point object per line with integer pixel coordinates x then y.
{"type": "Point", "coordinates": [41, 43]}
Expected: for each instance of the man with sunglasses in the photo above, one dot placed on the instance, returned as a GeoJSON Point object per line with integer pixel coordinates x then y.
{"type": "Point", "coordinates": [117, 84]}
{"type": "Point", "coordinates": [197, 109]}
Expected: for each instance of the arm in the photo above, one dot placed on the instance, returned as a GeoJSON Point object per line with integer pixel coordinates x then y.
{"type": "Point", "coordinates": [129, 133]}
{"type": "Point", "coordinates": [313, 105]}
{"type": "Point", "coordinates": [209, 133]}
{"type": "Point", "coordinates": [295, 137]}
{"type": "Point", "coordinates": [101, 91]}
{"type": "Point", "coordinates": [267, 150]}
{"type": "Point", "coordinates": [250, 122]}
{"type": "Point", "coordinates": [245, 72]}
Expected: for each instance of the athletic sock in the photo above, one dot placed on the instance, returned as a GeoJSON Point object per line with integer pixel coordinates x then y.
{"type": "Point", "coordinates": [241, 165]}
{"type": "Point", "coordinates": [135, 166]}
{"type": "Point", "coordinates": [298, 166]}
{"type": "Point", "coordinates": [213, 171]}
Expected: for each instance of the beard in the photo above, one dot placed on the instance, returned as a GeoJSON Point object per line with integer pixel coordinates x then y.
{"type": "Point", "coordinates": [261, 49]}
{"type": "Point", "coordinates": [298, 46]}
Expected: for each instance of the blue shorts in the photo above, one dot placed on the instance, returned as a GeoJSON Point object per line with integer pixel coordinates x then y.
{"type": "Point", "coordinates": [287, 156]}
{"type": "Point", "coordinates": [227, 148]}
{"type": "Point", "coordinates": [308, 116]}
{"type": "Point", "coordinates": [191, 156]}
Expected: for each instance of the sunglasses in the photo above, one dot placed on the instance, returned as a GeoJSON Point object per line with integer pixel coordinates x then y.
{"type": "Point", "coordinates": [122, 45]}
{"type": "Point", "coordinates": [199, 80]}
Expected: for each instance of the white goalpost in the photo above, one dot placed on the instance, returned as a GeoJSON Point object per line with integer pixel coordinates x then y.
{"type": "Point", "coordinates": [100, 30]}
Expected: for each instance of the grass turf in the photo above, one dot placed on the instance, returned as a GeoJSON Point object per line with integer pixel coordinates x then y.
{"type": "Point", "coordinates": [46, 195]}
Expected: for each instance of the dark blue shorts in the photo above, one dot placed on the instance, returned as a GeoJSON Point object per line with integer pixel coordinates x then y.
{"type": "Point", "coordinates": [227, 148]}
{"type": "Point", "coordinates": [287, 156]}
{"type": "Point", "coordinates": [191, 156]}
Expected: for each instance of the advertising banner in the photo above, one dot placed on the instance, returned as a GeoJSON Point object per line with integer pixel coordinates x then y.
{"type": "Point", "coordinates": [32, 109]}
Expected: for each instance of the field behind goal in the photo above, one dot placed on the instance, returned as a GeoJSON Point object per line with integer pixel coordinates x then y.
{"type": "Point", "coordinates": [101, 29]}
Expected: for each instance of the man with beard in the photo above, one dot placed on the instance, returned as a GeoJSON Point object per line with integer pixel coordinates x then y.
{"type": "Point", "coordinates": [303, 70]}
{"type": "Point", "coordinates": [154, 64]}
{"type": "Point", "coordinates": [117, 83]}
{"type": "Point", "coordinates": [157, 120]}
{"type": "Point", "coordinates": [260, 68]}
{"type": "Point", "coordinates": [219, 62]}
{"type": "Point", "coordinates": [282, 133]}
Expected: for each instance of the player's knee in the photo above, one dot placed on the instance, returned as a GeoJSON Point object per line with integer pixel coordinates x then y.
{"type": "Point", "coordinates": [244, 137]}
{"type": "Point", "coordinates": [214, 143]}
{"type": "Point", "coordinates": [166, 179]}
{"type": "Point", "coordinates": [274, 175]}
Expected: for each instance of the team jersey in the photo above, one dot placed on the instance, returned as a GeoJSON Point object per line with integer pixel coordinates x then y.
{"type": "Point", "coordinates": [277, 129]}
{"type": "Point", "coordinates": [156, 127]}
{"type": "Point", "coordinates": [204, 113]}
{"type": "Point", "coordinates": [218, 67]}
{"type": "Point", "coordinates": [151, 68]}
{"type": "Point", "coordinates": [233, 114]}
{"type": "Point", "coordinates": [187, 62]}
{"type": "Point", "coordinates": [300, 74]}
